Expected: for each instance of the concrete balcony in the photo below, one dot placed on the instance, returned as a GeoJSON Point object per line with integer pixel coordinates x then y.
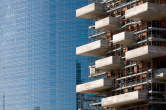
{"type": "Point", "coordinates": [108, 63]}
{"type": "Point", "coordinates": [107, 24]}
{"type": "Point", "coordinates": [124, 38]}
{"type": "Point", "coordinates": [92, 11]}
{"type": "Point", "coordinates": [92, 70]}
{"type": "Point", "coordinates": [145, 53]}
{"type": "Point", "coordinates": [146, 11]}
{"type": "Point", "coordinates": [95, 72]}
{"type": "Point", "coordinates": [95, 49]}
{"type": "Point", "coordinates": [160, 74]}
{"type": "Point", "coordinates": [95, 87]}
{"type": "Point", "coordinates": [125, 99]}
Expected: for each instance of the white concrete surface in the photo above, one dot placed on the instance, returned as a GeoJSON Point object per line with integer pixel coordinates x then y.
{"type": "Point", "coordinates": [95, 49]}
{"type": "Point", "coordinates": [145, 53]}
{"type": "Point", "coordinates": [124, 38]}
{"type": "Point", "coordinates": [91, 11]}
{"type": "Point", "coordinates": [146, 11]}
{"type": "Point", "coordinates": [108, 63]}
{"type": "Point", "coordinates": [108, 24]}
{"type": "Point", "coordinates": [94, 87]}
{"type": "Point", "coordinates": [124, 99]}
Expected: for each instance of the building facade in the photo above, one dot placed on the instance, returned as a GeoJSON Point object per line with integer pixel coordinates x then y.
{"type": "Point", "coordinates": [37, 60]}
{"type": "Point", "coordinates": [130, 47]}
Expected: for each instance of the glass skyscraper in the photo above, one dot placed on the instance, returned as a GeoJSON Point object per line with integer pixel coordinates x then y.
{"type": "Point", "coordinates": [37, 54]}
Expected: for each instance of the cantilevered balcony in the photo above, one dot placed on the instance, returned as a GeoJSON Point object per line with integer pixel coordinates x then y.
{"type": "Point", "coordinates": [125, 99]}
{"type": "Point", "coordinates": [108, 24]}
{"type": "Point", "coordinates": [108, 63]}
{"type": "Point", "coordinates": [95, 49]}
{"type": "Point", "coordinates": [95, 72]}
{"type": "Point", "coordinates": [92, 11]}
{"type": "Point", "coordinates": [95, 87]}
{"type": "Point", "coordinates": [160, 74]}
{"type": "Point", "coordinates": [146, 11]}
{"type": "Point", "coordinates": [145, 53]}
{"type": "Point", "coordinates": [124, 38]}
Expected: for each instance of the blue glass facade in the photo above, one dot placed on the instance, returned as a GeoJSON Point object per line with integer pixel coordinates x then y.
{"type": "Point", "coordinates": [37, 53]}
